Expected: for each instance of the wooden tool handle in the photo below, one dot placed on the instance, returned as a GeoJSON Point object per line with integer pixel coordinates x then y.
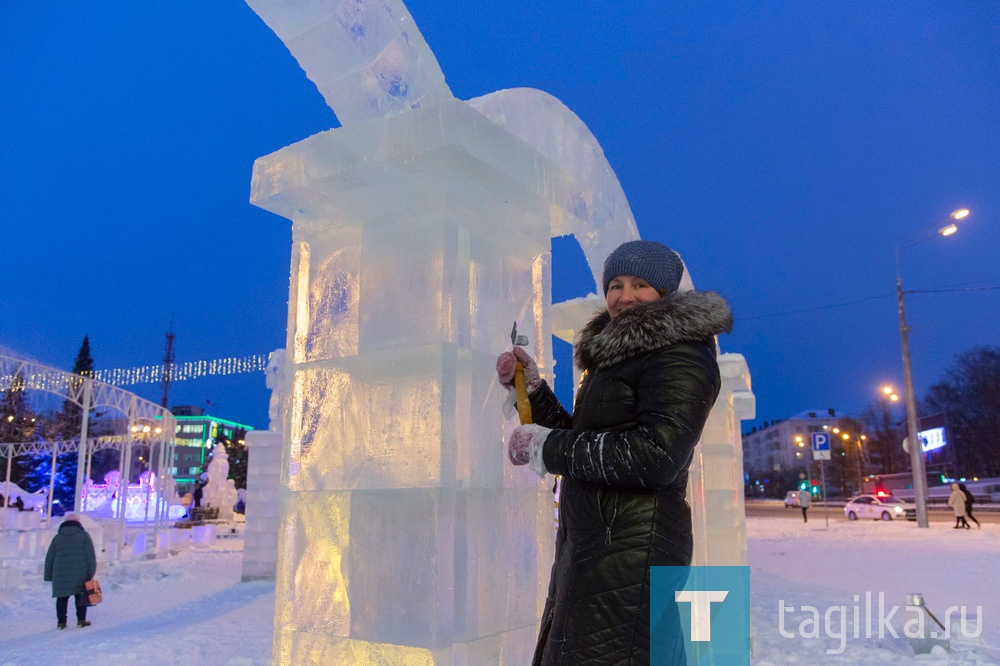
{"type": "Point", "coordinates": [523, 404]}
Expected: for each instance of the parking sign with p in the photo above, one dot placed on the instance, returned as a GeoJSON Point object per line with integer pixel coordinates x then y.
{"type": "Point", "coordinates": [821, 445]}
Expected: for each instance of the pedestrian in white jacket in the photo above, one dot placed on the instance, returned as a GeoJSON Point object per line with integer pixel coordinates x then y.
{"type": "Point", "coordinates": [956, 500]}
{"type": "Point", "coordinates": [804, 500]}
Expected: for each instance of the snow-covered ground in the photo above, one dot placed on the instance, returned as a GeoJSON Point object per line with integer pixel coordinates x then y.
{"type": "Point", "coordinates": [192, 609]}
{"type": "Point", "coordinates": [795, 565]}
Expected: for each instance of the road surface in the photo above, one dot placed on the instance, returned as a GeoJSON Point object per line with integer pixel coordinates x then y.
{"type": "Point", "coordinates": [776, 509]}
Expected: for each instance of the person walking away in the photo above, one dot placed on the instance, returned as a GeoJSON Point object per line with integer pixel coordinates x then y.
{"type": "Point", "coordinates": [804, 500]}
{"type": "Point", "coordinates": [969, 499]}
{"type": "Point", "coordinates": [956, 500]}
{"type": "Point", "coordinates": [651, 378]}
{"type": "Point", "coordinates": [199, 491]}
{"type": "Point", "coordinates": [69, 563]}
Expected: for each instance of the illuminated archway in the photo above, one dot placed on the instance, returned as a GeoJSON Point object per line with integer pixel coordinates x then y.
{"type": "Point", "coordinates": [137, 423]}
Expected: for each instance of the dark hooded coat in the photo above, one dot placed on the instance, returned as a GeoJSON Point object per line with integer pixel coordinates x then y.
{"type": "Point", "coordinates": [651, 381]}
{"type": "Point", "coordinates": [70, 561]}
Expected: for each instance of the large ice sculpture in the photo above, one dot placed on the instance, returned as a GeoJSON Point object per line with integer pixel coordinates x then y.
{"type": "Point", "coordinates": [420, 230]}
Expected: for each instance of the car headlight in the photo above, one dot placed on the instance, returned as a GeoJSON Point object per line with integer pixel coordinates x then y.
{"type": "Point", "coordinates": [899, 509]}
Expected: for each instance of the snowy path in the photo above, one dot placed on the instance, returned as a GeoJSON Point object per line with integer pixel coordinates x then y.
{"type": "Point", "coordinates": [190, 609]}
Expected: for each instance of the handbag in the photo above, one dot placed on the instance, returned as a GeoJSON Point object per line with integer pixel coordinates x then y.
{"type": "Point", "coordinates": [93, 590]}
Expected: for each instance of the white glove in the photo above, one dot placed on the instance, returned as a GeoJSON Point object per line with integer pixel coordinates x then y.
{"type": "Point", "coordinates": [525, 447]}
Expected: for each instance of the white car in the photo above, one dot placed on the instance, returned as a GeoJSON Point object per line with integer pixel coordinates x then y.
{"type": "Point", "coordinates": [792, 498]}
{"type": "Point", "coordinates": [879, 508]}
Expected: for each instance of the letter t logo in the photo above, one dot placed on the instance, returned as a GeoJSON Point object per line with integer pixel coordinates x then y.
{"type": "Point", "coordinates": [701, 610]}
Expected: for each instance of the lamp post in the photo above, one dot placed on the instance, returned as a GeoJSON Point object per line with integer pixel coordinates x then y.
{"type": "Point", "coordinates": [912, 426]}
{"type": "Point", "coordinates": [145, 433]}
{"type": "Point", "coordinates": [888, 398]}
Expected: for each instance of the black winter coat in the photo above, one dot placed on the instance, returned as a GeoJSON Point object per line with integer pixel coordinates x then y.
{"type": "Point", "coordinates": [70, 560]}
{"type": "Point", "coordinates": [651, 380]}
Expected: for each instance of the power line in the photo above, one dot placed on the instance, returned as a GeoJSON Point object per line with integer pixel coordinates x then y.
{"type": "Point", "coordinates": [817, 308]}
{"type": "Point", "coordinates": [831, 306]}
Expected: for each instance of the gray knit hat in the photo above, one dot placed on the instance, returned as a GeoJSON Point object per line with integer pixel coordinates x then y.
{"type": "Point", "coordinates": [654, 262]}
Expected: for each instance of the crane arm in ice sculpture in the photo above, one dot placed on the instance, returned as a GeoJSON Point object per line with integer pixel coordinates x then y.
{"type": "Point", "coordinates": [367, 57]}
{"type": "Point", "coordinates": [597, 212]}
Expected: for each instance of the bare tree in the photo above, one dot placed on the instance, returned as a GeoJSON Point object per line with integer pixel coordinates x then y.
{"type": "Point", "coordinates": [969, 397]}
{"type": "Point", "coordinates": [885, 437]}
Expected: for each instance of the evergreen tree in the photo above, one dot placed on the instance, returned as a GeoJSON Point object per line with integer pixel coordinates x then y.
{"type": "Point", "coordinates": [17, 419]}
{"type": "Point", "coordinates": [84, 365]}
{"type": "Point", "coordinates": [37, 470]}
{"type": "Point", "coordinates": [66, 425]}
{"type": "Point", "coordinates": [67, 422]}
{"type": "Point", "coordinates": [18, 424]}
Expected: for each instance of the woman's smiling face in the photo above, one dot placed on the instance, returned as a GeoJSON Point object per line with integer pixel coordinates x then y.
{"type": "Point", "coordinates": [627, 291]}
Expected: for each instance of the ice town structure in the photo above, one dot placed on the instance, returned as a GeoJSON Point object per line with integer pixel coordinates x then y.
{"type": "Point", "coordinates": [421, 229]}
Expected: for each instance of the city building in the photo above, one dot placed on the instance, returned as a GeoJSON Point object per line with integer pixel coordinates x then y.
{"type": "Point", "coordinates": [197, 433]}
{"type": "Point", "coordinates": [777, 456]}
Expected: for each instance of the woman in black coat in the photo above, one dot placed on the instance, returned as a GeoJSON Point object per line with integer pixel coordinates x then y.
{"type": "Point", "coordinates": [969, 499]}
{"type": "Point", "coordinates": [651, 380]}
{"type": "Point", "coordinates": [69, 563]}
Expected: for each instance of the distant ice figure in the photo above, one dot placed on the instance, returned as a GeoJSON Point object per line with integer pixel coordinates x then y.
{"type": "Point", "coordinates": [220, 491]}
{"type": "Point", "coordinates": [274, 375]}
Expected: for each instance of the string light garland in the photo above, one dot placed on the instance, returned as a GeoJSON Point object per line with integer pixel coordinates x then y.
{"type": "Point", "coordinates": [152, 374]}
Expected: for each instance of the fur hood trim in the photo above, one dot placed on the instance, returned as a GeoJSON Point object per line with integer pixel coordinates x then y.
{"type": "Point", "coordinates": [677, 317]}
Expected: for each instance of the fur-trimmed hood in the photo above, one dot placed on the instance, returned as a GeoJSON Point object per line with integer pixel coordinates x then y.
{"type": "Point", "coordinates": [680, 316]}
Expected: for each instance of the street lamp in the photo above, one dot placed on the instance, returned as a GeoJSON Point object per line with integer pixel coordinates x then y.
{"type": "Point", "coordinates": [916, 450]}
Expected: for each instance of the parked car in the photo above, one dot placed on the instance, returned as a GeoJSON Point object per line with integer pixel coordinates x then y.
{"type": "Point", "coordinates": [879, 508]}
{"type": "Point", "coordinates": [792, 498]}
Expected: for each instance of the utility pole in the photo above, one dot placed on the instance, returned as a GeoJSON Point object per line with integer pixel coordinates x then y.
{"type": "Point", "coordinates": [168, 363]}
{"type": "Point", "coordinates": [912, 420]}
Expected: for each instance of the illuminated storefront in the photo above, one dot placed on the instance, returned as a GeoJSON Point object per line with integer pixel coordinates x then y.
{"type": "Point", "coordinates": [197, 433]}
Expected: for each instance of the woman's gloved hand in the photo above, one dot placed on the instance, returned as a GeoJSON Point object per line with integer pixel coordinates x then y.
{"type": "Point", "coordinates": [525, 447]}
{"type": "Point", "coordinates": [507, 362]}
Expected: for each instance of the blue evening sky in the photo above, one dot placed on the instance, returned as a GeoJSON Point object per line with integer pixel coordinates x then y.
{"type": "Point", "coordinates": [781, 147]}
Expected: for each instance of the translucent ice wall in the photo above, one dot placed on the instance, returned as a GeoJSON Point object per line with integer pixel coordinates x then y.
{"type": "Point", "coordinates": [261, 530]}
{"type": "Point", "coordinates": [715, 491]}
